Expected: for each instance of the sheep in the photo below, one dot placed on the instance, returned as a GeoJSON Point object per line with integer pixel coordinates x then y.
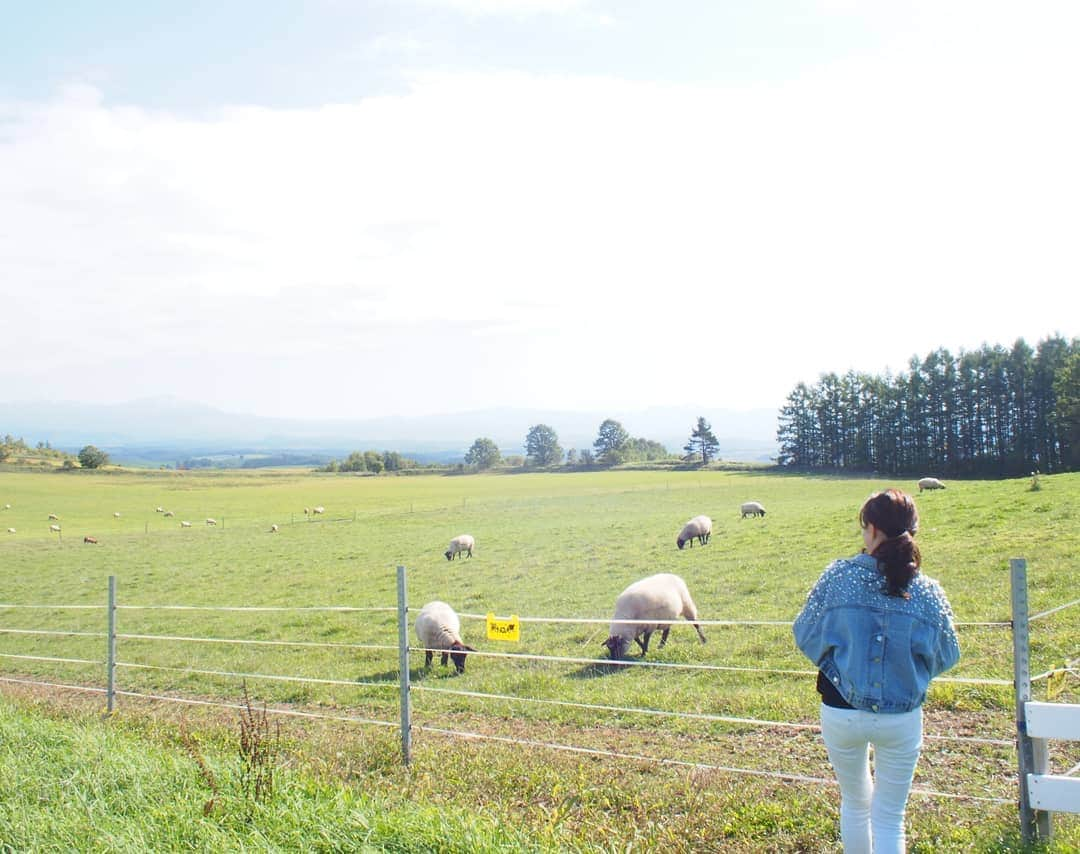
{"type": "Point", "coordinates": [91, 540]}
{"type": "Point", "coordinates": [699, 527]}
{"type": "Point", "coordinates": [7, 506]}
{"type": "Point", "coordinates": [116, 515]}
{"type": "Point", "coordinates": [460, 543]}
{"type": "Point", "coordinates": [185, 524]}
{"type": "Point", "coordinates": [320, 509]}
{"type": "Point", "coordinates": [273, 529]}
{"type": "Point", "coordinates": [930, 483]}
{"type": "Point", "coordinates": [752, 508]}
{"type": "Point", "coordinates": [662, 598]}
{"type": "Point", "coordinates": [53, 517]}
{"type": "Point", "coordinates": [307, 511]}
{"type": "Point", "coordinates": [439, 628]}
{"type": "Point", "coordinates": [168, 514]}
{"type": "Point", "coordinates": [11, 530]}
{"type": "Point", "coordinates": [211, 521]}
{"type": "Point", "coordinates": [159, 509]}
{"type": "Point", "coordinates": [54, 528]}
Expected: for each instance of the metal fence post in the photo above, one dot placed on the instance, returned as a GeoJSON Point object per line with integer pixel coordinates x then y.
{"type": "Point", "coordinates": [403, 664]}
{"type": "Point", "coordinates": [1031, 753]}
{"type": "Point", "coordinates": [110, 666]}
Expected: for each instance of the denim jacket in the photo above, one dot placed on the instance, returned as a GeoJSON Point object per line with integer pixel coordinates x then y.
{"type": "Point", "coordinates": [879, 651]}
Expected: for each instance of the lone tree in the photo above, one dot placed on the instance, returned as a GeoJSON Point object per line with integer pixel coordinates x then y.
{"type": "Point", "coordinates": [702, 441]}
{"type": "Point", "coordinates": [92, 458]}
{"type": "Point", "coordinates": [483, 454]}
{"type": "Point", "coordinates": [542, 446]}
{"type": "Point", "coordinates": [610, 442]}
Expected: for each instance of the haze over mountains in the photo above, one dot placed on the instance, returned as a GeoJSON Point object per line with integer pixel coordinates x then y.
{"type": "Point", "coordinates": [165, 429]}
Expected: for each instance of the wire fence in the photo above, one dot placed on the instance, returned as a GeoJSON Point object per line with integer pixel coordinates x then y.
{"type": "Point", "coordinates": [403, 684]}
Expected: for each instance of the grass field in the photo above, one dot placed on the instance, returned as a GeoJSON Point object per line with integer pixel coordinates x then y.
{"type": "Point", "coordinates": [548, 545]}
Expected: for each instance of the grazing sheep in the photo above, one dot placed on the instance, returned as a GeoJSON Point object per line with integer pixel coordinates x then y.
{"type": "Point", "coordinates": [461, 543]}
{"type": "Point", "coordinates": [7, 506]}
{"type": "Point", "coordinates": [116, 515]}
{"type": "Point", "coordinates": [91, 540]}
{"type": "Point", "coordinates": [54, 528]}
{"type": "Point", "coordinates": [930, 483]}
{"type": "Point", "coordinates": [662, 598]}
{"type": "Point", "coordinates": [273, 529]}
{"type": "Point", "coordinates": [169, 514]}
{"type": "Point", "coordinates": [185, 524]}
{"type": "Point", "coordinates": [11, 530]}
{"type": "Point", "coordinates": [699, 527]}
{"type": "Point", "coordinates": [159, 509]}
{"type": "Point", "coordinates": [439, 628]}
{"type": "Point", "coordinates": [752, 508]}
{"type": "Point", "coordinates": [318, 510]}
{"type": "Point", "coordinates": [53, 517]}
{"type": "Point", "coordinates": [211, 521]}
{"type": "Point", "coordinates": [306, 511]}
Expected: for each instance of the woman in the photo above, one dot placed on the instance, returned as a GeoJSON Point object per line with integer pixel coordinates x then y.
{"type": "Point", "coordinates": [878, 631]}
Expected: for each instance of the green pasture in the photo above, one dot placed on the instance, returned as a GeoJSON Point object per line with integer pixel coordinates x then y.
{"type": "Point", "coordinates": [554, 546]}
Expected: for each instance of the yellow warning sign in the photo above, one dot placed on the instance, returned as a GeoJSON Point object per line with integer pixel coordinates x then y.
{"type": "Point", "coordinates": [503, 630]}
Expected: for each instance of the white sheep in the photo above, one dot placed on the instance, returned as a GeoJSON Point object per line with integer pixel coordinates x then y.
{"type": "Point", "coordinates": [273, 529]}
{"type": "Point", "coordinates": [7, 506]}
{"type": "Point", "coordinates": [54, 528]}
{"type": "Point", "coordinates": [930, 483]}
{"type": "Point", "coordinates": [438, 627]}
{"type": "Point", "coordinates": [211, 521]}
{"type": "Point", "coordinates": [11, 530]}
{"type": "Point", "coordinates": [460, 543]}
{"type": "Point", "coordinates": [700, 527]}
{"type": "Point", "coordinates": [116, 515]}
{"type": "Point", "coordinates": [751, 508]}
{"type": "Point", "coordinates": [662, 598]}
{"type": "Point", "coordinates": [317, 510]}
{"type": "Point", "coordinates": [168, 514]}
{"type": "Point", "coordinates": [185, 524]}
{"type": "Point", "coordinates": [159, 509]}
{"type": "Point", "coordinates": [53, 517]}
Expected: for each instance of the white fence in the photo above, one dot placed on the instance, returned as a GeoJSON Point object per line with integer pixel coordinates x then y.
{"type": "Point", "coordinates": [1039, 792]}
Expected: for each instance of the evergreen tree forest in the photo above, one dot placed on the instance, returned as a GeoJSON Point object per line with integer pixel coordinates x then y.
{"type": "Point", "coordinates": [992, 412]}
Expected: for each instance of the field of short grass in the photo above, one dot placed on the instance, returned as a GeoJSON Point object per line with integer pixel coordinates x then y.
{"type": "Point", "coordinates": [548, 545]}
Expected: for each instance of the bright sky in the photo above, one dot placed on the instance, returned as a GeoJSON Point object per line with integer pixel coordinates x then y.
{"type": "Point", "coordinates": [359, 208]}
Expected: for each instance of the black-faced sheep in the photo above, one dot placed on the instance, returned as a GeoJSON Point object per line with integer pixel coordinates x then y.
{"type": "Point", "coordinates": [752, 508]}
{"type": "Point", "coordinates": [461, 543]}
{"type": "Point", "coordinates": [930, 483]}
{"type": "Point", "coordinates": [700, 528]}
{"type": "Point", "coordinates": [438, 628]}
{"type": "Point", "coordinates": [662, 598]}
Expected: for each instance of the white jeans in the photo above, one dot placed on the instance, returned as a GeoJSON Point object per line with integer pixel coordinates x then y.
{"type": "Point", "coordinates": [872, 809]}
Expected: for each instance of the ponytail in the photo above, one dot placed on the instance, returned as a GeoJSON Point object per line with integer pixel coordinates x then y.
{"type": "Point", "coordinates": [897, 556]}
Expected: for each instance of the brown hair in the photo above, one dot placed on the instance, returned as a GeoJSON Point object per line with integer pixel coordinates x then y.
{"type": "Point", "coordinates": [893, 513]}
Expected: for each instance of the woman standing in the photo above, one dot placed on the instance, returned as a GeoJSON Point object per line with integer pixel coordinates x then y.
{"type": "Point", "coordinates": [878, 631]}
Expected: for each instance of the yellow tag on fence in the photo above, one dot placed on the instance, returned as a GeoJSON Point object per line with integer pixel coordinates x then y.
{"type": "Point", "coordinates": [503, 630]}
{"type": "Point", "coordinates": [1055, 684]}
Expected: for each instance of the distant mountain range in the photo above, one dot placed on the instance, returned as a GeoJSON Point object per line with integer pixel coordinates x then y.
{"type": "Point", "coordinates": [165, 429]}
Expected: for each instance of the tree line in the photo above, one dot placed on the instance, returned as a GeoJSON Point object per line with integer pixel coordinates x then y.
{"type": "Point", "coordinates": [613, 446]}
{"type": "Point", "coordinates": [991, 412]}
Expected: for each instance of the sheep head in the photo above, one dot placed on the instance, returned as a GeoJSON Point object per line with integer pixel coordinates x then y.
{"type": "Point", "coordinates": [458, 651]}
{"type": "Point", "coordinates": [617, 647]}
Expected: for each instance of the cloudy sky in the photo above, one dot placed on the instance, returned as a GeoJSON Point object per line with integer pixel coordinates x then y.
{"type": "Point", "coordinates": [356, 208]}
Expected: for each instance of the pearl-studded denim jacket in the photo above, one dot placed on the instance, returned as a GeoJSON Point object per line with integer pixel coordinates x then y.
{"type": "Point", "coordinates": [879, 651]}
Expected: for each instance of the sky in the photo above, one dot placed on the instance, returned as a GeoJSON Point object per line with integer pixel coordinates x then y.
{"type": "Point", "coordinates": [348, 208]}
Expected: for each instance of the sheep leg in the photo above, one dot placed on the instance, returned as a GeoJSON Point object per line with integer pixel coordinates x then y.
{"type": "Point", "coordinates": [445, 658]}
{"type": "Point", "coordinates": [663, 636]}
{"type": "Point", "coordinates": [700, 633]}
{"type": "Point", "coordinates": [644, 644]}
{"type": "Point", "coordinates": [427, 658]}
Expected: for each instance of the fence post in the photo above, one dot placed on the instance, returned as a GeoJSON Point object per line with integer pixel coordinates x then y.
{"type": "Point", "coordinates": [403, 664]}
{"type": "Point", "coordinates": [110, 656]}
{"type": "Point", "coordinates": [1031, 753]}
